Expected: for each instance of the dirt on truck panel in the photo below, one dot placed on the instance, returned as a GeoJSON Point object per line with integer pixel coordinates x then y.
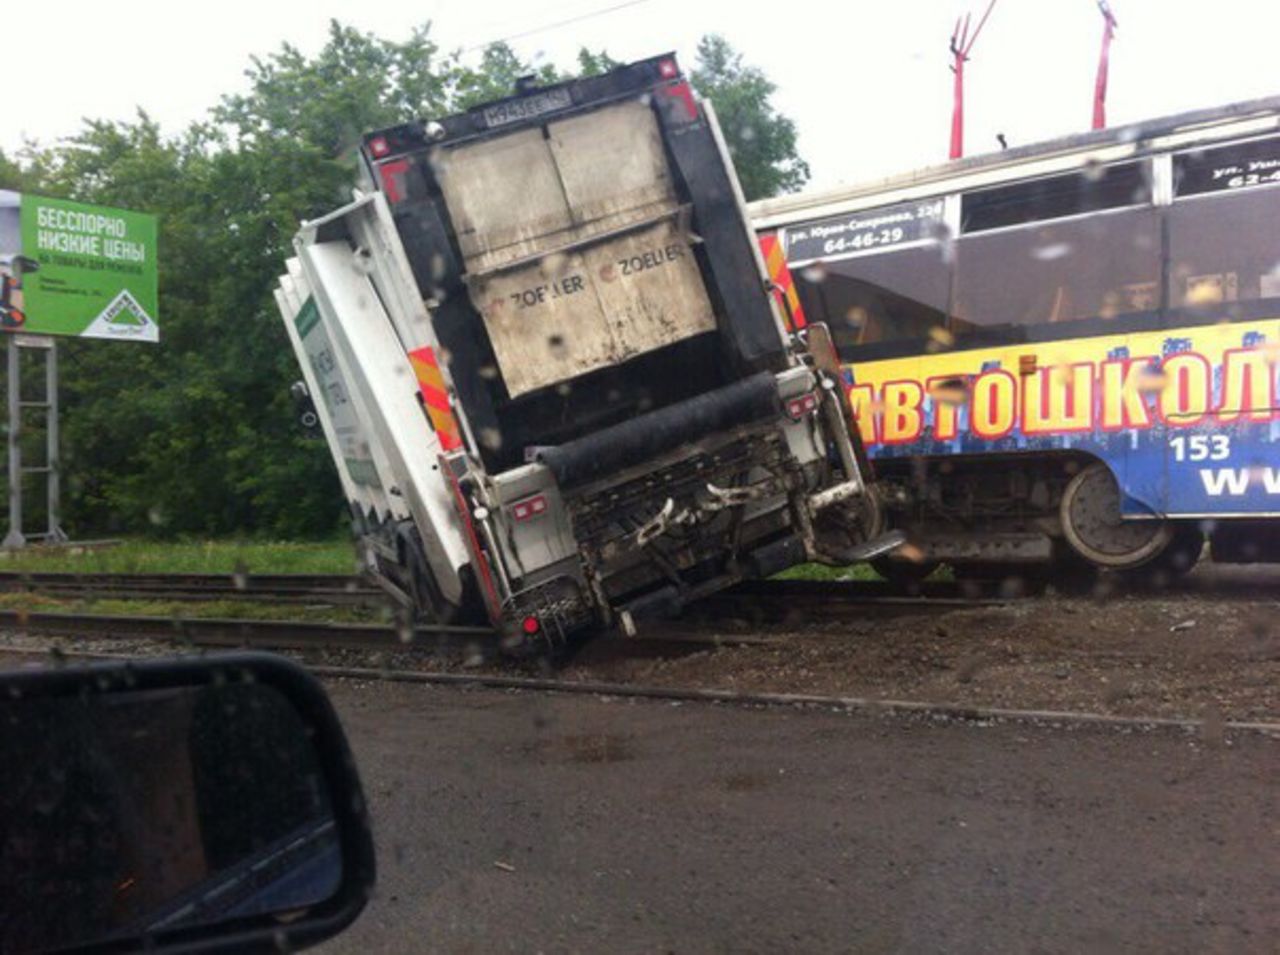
{"type": "Point", "coordinates": [552, 315]}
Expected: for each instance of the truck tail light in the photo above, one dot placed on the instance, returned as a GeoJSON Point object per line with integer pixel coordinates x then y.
{"type": "Point", "coordinates": [393, 173]}
{"type": "Point", "coordinates": [668, 69]}
{"type": "Point", "coordinates": [797, 408]}
{"type": "Point", "coordinates": [379, 146]}
{"type": "Point", "coordinates": [529, 508]}
{"type": "Point", "coordinates": [682, 93]}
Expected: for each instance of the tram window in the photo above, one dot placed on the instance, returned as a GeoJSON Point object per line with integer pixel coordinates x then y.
{"type": "Point", "coordinates": [1094, 267]}
{"type": "Point", "coordinates": [1227, 168]}
{"type": "Point", "coordinates": [886, 296]}
{"type": "Point", "coordinates": [1224, 247]}
{"type": "Point", "coordinates": [1109, 187]}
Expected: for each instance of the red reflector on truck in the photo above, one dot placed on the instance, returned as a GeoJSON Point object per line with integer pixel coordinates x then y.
{"type": "Point", "coordinates": [379, 146]}
{"type": "Point", "coordinates": [530, 625]}
{"type": "Point", "coordinates": [797, 408]}
{"type": "Point", "coordinates": [529, 508]}
{"type": "Point", "coordinates": [667, 69]}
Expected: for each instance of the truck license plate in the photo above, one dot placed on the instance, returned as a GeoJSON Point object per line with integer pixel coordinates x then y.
{"type": "Point", "coordinates": [548, 101]}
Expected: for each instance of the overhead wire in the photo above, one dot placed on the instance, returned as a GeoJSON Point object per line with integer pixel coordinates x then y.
{"type": "Point", "coordinates": [591, 14]}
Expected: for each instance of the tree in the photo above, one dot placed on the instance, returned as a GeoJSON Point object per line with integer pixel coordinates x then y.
{"type": "Point", "coordinates": [357, 82]}
{"type": "Point", "coordinates": [197, 435]}
{"type": "Point", "coordinates": [595, 64]}
{"type": "Point", "coordinates": [761, 141]}
{"type": "Point", "coordinates": [495, 77]}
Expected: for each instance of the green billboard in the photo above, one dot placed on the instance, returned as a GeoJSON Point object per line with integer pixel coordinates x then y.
{"type": "Point", "coordinates": [68, 268]}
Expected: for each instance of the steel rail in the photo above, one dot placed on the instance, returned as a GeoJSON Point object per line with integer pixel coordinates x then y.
{"type": "Point", "coordinates": [319, 635]}
{"type": "Point", "coordinates": [794, 700]}
{"type": "Point", "coordinates": [929, 591]}
{"type": "Point", "coordinates": [283, 588]}
{"type": "Point", "coordinates": [757, 699]}
{"type": "Point", "coordinates": [266, 634]}
{"type": "Point", "coordinates": [244, 580]}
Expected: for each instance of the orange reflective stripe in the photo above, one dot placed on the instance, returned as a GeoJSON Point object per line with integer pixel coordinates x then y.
{"type": "Point", "coordinates": [435, 397]}
{"type": "Point", "coordinates": [775, 259]}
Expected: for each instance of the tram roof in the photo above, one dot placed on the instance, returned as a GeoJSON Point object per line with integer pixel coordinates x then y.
{"type": "Point", "coordinates": [1113, 143]}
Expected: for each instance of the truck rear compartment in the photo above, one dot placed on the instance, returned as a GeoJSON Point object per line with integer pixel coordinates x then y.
{"type": "Point", "coordinates": [570, 283]}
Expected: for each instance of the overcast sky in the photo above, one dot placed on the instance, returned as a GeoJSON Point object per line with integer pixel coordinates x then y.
{"type": "Point", "coordinates": [867, 83]}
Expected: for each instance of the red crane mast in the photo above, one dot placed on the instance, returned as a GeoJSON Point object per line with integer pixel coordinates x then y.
{"type": "Point", "coordinates": [961, 46]}
{"type": "Point", "coordinates": [1104, 58]}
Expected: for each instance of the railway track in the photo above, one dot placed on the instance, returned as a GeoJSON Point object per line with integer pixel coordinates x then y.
{"type": "Point", "coordinates": [771, 601]}
{"type": "Point", "coordinates": [417, 654]}
{"type": "Point", "coordinates": [258, 634]}
{"type": "Point", "coordinates": [1210, 728]}
{"type": "Point", "coordinates": [423, 639]}
{"type": "Point", "coordinates": [754, 600]}
{"type": "Point", "coordinates": [340, 589]}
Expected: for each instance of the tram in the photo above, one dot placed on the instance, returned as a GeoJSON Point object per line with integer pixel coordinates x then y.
{"type": "Point", "coordinates": [1063, 355]}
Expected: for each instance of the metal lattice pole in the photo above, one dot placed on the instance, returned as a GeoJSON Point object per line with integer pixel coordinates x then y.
{"type": "Point", "coordinates": [15, 538]}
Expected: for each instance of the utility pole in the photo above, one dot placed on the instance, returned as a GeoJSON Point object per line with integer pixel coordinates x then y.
{"type": "Point", "coordinates": [961, 45]}
{"type": "Point", "coordinates": [1100, 85]}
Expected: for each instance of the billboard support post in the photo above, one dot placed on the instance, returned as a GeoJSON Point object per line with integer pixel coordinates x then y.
{"type": "Point", "coordinates": [51, 469]}
{"type": "Point", "coordinates": [15, 538]}
{"type": "Point", "coordinates": [53, 495]}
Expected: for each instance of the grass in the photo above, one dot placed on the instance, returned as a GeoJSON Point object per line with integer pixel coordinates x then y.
{"type": "Point", "coordinates": [855, 572]}
{"type": "Point", "coordinates": [823, 572]}
{"type": "Point", "coordinates": [189, 557]}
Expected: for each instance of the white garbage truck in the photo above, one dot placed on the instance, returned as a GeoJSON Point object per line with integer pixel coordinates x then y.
{"type": "Point", "coordinates": [557, 388]}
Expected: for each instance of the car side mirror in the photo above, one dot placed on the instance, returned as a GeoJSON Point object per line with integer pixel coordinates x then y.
{"type": "Point", "coordinates": [172, 805]}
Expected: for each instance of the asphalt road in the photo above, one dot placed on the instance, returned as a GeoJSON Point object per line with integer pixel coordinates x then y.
{"type": "Point", "coordinates": [521, 822]}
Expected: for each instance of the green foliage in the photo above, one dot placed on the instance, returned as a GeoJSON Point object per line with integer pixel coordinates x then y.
{"type": "Point", "coordinates": [356, 83]}
{"type": "Point", "coordinates": [595, 64]}
{"type": "Point", "coordinates": [495, 77]}
{"type": "Point", "coordinates": [197, 436]}
{"type": "Point", "coordinates": [762, 142]}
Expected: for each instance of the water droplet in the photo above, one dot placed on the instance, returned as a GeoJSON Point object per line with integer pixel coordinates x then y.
{"type": "Point", "coordinates": [1051, 251]}
{"type": "Point", "coordinates": [856, 317]}
{"type": "Point", "coordinates": [816, 273]}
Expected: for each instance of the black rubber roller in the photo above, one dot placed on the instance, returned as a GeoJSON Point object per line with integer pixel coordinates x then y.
{"type": "Point", "coordinates": [657, 432]}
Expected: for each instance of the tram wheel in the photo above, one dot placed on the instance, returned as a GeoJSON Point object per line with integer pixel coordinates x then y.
{"type": "Point", "coordinates": [1093, 526]}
